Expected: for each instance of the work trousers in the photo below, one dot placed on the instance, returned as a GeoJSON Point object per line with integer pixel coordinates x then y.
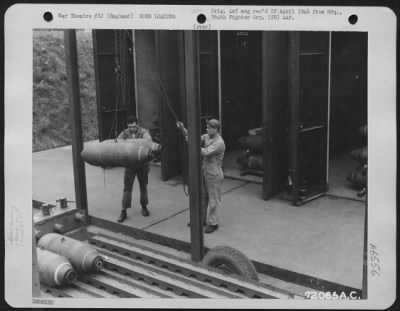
{"type": "Point", "coordinates": [211, 196]}
{"type": "Point", "coordinates": [142, 174]}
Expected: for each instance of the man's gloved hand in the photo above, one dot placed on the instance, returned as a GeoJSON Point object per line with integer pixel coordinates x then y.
{"type": "Point", "coordinates": [180, 126]}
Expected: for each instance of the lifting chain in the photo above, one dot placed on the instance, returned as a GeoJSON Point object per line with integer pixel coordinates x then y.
{"type": "Point", "coordinates": [117, 79]}
{"type": "Point", "coordinates": [121, 70]}
{"type": "Point", "coordinates": [123, 52]}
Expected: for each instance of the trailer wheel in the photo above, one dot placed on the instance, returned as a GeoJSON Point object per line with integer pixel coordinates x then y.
{"type": "Point", "coordinates": [230, 261]}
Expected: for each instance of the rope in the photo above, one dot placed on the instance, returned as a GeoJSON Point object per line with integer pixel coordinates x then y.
{"type": "Point", "coordinates": [175, 116]}
{"type": "Point", "coordinates": [184, 166]}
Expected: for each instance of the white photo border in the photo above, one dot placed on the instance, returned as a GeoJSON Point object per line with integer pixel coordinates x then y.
{"type": "Point", "coordinates": [22, 19]}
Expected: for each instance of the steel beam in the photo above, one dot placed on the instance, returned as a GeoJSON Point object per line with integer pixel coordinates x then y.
{"type": "Point", "coordinates": [294, 93]}
{"type": "Point", "coordinates": [71, 57]}
{"type": "Point", "coordinates": [139, 254]}
{"type": "Point", "coordinates": [192, 86]}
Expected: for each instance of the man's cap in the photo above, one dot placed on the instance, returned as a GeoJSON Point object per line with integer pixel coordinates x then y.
{"type": "Point", "coordinates": [214, 123]}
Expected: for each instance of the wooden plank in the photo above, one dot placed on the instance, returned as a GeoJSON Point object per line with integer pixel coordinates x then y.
{"type": "Point", "coordinates": [162, 277]}
{"type": "Point", "coordinates": [71, 57]}
{"type": "Point", "coordinates": [144, 287]}
{"type": "Point", "coordinates": [91, 290]}
{"type": "Point", "coordinates": [139, 234]}
{"type": "Point", "coordinates": [192, 80]}
{"type": "Point", "coordinates": [186, 267]}
{"type": "Point", "coordinates": [273, 271]}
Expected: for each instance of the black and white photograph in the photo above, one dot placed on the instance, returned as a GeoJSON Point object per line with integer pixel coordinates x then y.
{"type": "Point", "coordinates": [201, 163]}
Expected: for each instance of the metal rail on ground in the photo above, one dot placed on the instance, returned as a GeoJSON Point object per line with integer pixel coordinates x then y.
{"type": "Point", "coordinates": [136, 271]}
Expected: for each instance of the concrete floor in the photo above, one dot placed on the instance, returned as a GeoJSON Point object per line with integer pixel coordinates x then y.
{"type": "Point", "coordinates": [323, 238]}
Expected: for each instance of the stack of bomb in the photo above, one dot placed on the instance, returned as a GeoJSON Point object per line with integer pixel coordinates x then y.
{"type": "Point", "coordinates": [120, 153]}
{"type": "Point", "coordinates": [252, 157]}
{"type": "Point", "coordinates": [359, 178]}
{"type": "Point", "coordinates": [360, 154]}
{"type": "Point", "coordinates": [363, 131]}
{"type": "Point", "coordinates": [54, 270]}
{"type": "Point", "coordinates": [82, 257]}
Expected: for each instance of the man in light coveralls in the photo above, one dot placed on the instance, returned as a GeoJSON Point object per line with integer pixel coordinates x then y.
{"type": "Point", "coordinates": [212, 152]}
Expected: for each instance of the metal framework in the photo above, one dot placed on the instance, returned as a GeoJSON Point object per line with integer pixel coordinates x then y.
{"type": "Point", "coordinates": [192, 96]}
{"type": "Point", "coordinates": [191, 43]}
{"type": "Point", "coordinates": [71, 57]}
{"type": "Point", "coordinates": [193, 112]}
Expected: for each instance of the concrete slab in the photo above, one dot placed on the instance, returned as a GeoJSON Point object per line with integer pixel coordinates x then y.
{"type": "Point", "coordinates": [340, 166]}
{"type": "Point", "coordinates": [53, 178]}
{"type": "Point", "coordinates": [323, 238]}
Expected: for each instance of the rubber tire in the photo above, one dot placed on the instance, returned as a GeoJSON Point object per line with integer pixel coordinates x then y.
{"type": "Point", "coordinates": [237, 262]}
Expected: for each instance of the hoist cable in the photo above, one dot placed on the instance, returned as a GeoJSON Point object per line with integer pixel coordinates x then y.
{"type": "Point", "coordinates": [182, 147]}
{"type": "Point", "coordinates": [165, 96]}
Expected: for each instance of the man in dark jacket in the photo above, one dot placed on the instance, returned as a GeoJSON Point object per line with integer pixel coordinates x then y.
{"type": "Point", "coordinates": [134, 131]}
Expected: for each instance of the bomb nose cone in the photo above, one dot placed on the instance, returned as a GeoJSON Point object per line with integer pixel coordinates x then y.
{"type": "Point", "coordinates": [148, 155]}
{"type": "Point", "coordinates": [98, 264]}
{"type": "Point", "coordinates": [70, 276]}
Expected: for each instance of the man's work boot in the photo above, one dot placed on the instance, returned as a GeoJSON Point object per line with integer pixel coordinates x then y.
{"type": "Point", "coordinates": [145, 211]}
{"type": "Point", "coordinates": [211, 228]}
{"type": "Point", "coordinates": [123, 216]}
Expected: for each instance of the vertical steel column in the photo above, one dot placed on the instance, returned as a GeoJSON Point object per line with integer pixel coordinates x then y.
{"type": "Point", "coordinates": [329, 107]}
{"type": "Point", "coordinates": [264, 112]}
{"type": "Point", "coordinates": [71, 58]}
{"type": "Point", "coordinates": [135, 78]}
{"type": "Point", "coordinates": [192, 84]}
{"type": "Point", "coordinates": [219, 81]}
{"type": "Point", "coordinates": [294, 95]}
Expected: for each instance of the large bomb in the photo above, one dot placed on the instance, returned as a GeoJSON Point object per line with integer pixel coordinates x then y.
{"type": "Point", "coordinates": [120, 153]}
{"type": "Point", "coordinates": [253, 142]}
{"type": "Point", "coordinates": [154, 147]}
{"type": "Point", "coordinates": [363, 130]}
{"type": "Point", "coordinates": [54, 269]}
{"type": "Point", "coordinates": [250, 161]}
{"type": "Point", "coordinates": [359, 178]}
{"type": "Point", "coordinates": [255, 162]}
{"type": "Point", "coordinates": [361, 155]}
{"type": "Point", "coordinates": [83, 257]}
